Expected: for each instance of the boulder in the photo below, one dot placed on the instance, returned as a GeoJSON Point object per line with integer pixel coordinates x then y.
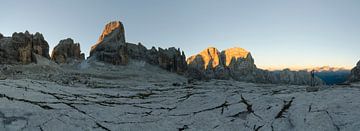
{"type": "Point", "coordinates": [67, 51]}
{"type": "Point", "coordinates": [20, 47]}
{"type": "Point", "coordinates": [355, 73]}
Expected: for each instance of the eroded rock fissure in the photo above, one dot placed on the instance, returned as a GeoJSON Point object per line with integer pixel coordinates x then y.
{"type": "Point", "coordinates": [284, 108]}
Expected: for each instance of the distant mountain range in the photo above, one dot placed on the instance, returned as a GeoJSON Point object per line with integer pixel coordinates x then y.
{"type": "Point", "coordinates": [328, 69]}
{"type": "Point", "coordinates": [317, 69]}
{"type": "Point", "coordinates": [234, 63]}
{"type": "Point", "coordinates": [332, 75]}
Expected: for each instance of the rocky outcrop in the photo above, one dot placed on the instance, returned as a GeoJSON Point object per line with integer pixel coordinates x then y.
{"type": "Point", "coordinates": [67, 51]}
{"type": "Point", "coordinates": [206, 59]}
{"type": "Point", "coordinates": [21, 46]}
{"type": "Point", "coordinates": [171, 59]}
{"type": "Point", "coordinates": [112, 48]}
{"type": "Point", "coordinates": [230, 63]}
{"type": "Point", "coordinates": [286, 76]}
{"type": "Point", "coordinates": [238, 64]}
{"type": "Point", "coordinates": [355, 73]}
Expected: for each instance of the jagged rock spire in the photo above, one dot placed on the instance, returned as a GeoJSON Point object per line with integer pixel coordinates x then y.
{"type": "Point", "coordinates": [67, 51]}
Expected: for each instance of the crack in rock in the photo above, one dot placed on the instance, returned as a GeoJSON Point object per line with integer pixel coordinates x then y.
{"type": "Point", "coordinates": [183, 128]}
{"type": "Point", "coordinates": [130, 122]}
{"type": "Point", "coordinates": [257, 128]}
{"type": "Point", "coordinates": [222, 106]}
{"type": "Point", "coordinates": [332, 120]}
{"type": "Point", "coordinates": [9, 120]}
{"type": "Point", "coordinates": [249, 110]}
{"type": "Point", "coordinates": [83, 112]}
{"type": "Point", "coordinates": [37, 103]}
{"type": "Point", "coordinates": [285, 108]}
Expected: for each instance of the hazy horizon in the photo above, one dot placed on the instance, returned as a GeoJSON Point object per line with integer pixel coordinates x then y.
{"type": "Point", "coordinates": [279, 34]}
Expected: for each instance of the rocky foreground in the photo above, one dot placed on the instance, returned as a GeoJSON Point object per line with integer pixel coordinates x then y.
{"type": "Point", "coordinates": [98, 96]}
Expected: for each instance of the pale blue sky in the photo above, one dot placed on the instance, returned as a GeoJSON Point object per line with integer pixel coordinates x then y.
{"type": "Point", "coordinates": [278, 33]}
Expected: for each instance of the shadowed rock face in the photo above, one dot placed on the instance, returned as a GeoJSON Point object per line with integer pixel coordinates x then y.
{"type": "Point", "coordinates": [112, 48]}
{"type": "Point", "coordinates": [112, 37]}
{"type": "Point", "coordinates": [355, 73]}
{"type": "Point", "coordinates": [208, 58]}
{"type": "Point", "coordinates": [238, 64]}
{"type": "Point", "coordinates": [67, 51]}
{"type": "Point", "coordinates": [21, 46]}
{"type": "Point", "coordinates": [171, 59]}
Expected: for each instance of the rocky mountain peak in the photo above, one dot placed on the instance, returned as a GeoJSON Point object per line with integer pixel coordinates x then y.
{"type": "Point", "coordinates": [112, 48]}
{"type": "Point", "coordinates": [235, 53]}
{"type": "Point", "coordinates": [67, 51]}
{"type": "Point", "coordinates": [327, 69]}
{"type": "Point", "coordinates": [22, 48]}
{"type": "Point", "coordinates": [111, 39]}
{"type": "Point", "coordinates": [210, 57]}
{"type": "Point", "coordinates": [115, 28]}
{"type": "Point", "coordinates": [237, 63]}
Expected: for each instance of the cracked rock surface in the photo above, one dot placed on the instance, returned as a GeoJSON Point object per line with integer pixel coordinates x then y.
{"type": "Point", "coordinates": [95, 96]}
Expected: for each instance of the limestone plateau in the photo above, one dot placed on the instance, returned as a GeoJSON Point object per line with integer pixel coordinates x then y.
{"type": "Point", "coordinates": [125, 86]}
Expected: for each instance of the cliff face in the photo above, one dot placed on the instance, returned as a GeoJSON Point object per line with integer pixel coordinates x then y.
{"type": "Point", "coordinates": [67, 51]}
{"type": "Point", "coordinates": [112, 48]}
{"type": "Point", "coordinates": [355, 73]}
{"type": "Point", "coordinates": [21, 46]}
{"type": "Point", "coordinates": [230, 63]}
{"type": "Point", "coordinates": [238, 64]}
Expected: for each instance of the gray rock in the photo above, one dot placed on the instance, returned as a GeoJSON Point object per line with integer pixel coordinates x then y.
{"type": "Point", "coordinates": [112, 48]}
{"type": "Point", "coordinates": [67, 51]}
{"type": "Point", "coordinates": [19, 48]}
{"type": "Point", "coordinates": [206, 65]}
{"type": "Point", "coordinates": [355, 73]}
{"type": "Point", "coordinates": [238, 64]}
{"type": "Point", "coordinates": [235, 63]}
